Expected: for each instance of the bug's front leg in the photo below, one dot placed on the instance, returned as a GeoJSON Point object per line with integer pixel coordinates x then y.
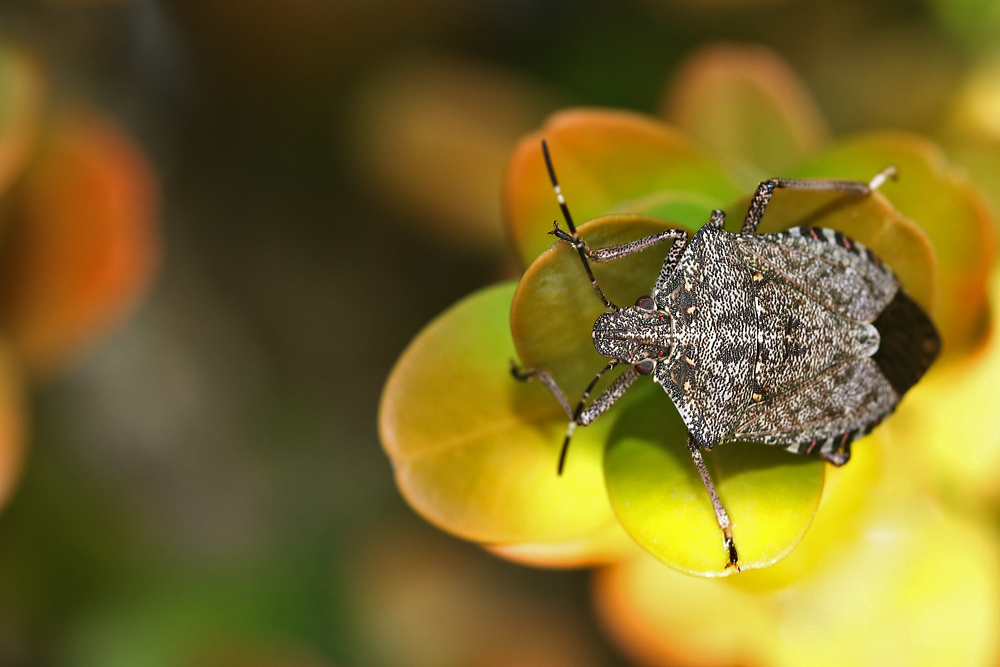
{"type": "Point", "coordinates": [720, 511]}
{"type": "Point", "coordinates": [581, 415]}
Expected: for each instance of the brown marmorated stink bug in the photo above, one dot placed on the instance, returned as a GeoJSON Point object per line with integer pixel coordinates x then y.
{"type": "Point", "coordinates": [801, 339]}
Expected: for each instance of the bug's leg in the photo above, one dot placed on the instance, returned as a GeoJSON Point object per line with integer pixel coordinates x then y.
{"type": "Point", "coordinates": [572, 238]}
{"type": "Point", "coordinates": [583, 415]}
{"type": "Point", "coordinates": [720, 511]}
{"type": "Point", "coordinates": [717, 219]}
{"type": "Point", "coordinates": [840, 454]}
{"type": "Point", "coordinates": [762, 195]}
{"type": "Point", "coordinates": [679, 237]}
{"type": "Point", "coordinates": [613, 252]}
{"type": "Point", "coordinates": [546, 379]}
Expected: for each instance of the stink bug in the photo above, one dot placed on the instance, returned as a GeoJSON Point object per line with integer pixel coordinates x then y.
{"type": "Point", "coordinates": [802, 339]}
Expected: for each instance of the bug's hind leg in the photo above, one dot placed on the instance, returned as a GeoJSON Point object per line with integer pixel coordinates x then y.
{"type": "Point", "coordinates": [840, 455]}
{"type": "Point", "coordinates": [762, 195]}
{"type": "Point", "coordinates": [720, 511]}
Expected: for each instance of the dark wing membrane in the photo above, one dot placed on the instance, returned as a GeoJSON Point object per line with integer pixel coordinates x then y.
{"type": "Point", "coordinates": [826, 266]}
{"type": "Point", "coordinates": [840, 400]}
{"type": "Point", "coordinates": [909, 344]}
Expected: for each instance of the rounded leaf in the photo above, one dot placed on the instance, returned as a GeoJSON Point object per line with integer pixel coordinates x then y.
{"type": "Point", "coordinates": [770, 494]}
{"type": "Point", "coordinates": [947, 207]}
{"type": "Point", "coordinates": [608, 544]}
{"type": "Point", "coordinates": [914, 587]}
{"type": "Point", "coordinates": [748, 106]}
{"type": "Point", "coordinates": [608, 162]}
{"type": "Point", "coordinates": [474, 450]}
{"type": "Point", "coordinates": [82, 243]}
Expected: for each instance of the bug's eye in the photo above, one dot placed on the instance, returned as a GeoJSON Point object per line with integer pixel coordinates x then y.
{"type": "Point", "coordinates": [645, 367]}
{"type": "Point", "coordinates": [645, 302]}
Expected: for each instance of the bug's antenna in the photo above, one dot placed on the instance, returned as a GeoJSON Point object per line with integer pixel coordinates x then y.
{"type": "Point", "coordinates": [565, 448]}
{"type": "Point", "coordinates": [555, 186]}
{"type": "Point", "coordinates": [571, 237]}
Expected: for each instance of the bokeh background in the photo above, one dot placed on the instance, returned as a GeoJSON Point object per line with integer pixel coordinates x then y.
{"type": "Point", "coordinates": [205, 484]}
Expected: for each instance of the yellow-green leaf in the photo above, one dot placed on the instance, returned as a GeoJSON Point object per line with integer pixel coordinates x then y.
{"type": "Point", "coordinates": [915, 586]}
{"type": "Point", "coordinates": [654, 487]}
{"type": "Point", "coordinates": [474, 450]}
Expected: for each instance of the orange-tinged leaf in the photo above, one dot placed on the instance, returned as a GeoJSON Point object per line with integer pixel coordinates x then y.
{"type": "Point", "coordinates": [608, 162]}
{"type": "Point", "coordinates": [608, 544]}
{"type": "Point", "coordinates": [947, 207]}
{"type": "Point", "coordinates": [82, 243]}
{"type": "Point", "coordinates": [474, 450]}
{"type": "Point", "coordinates": [22, 96]}
{"type": "Point", "coordinates": [659, 616]}
{"type": "Point", "coordinates": [748, 106]}
{"type": "Point", "coordinates": [914, 586]}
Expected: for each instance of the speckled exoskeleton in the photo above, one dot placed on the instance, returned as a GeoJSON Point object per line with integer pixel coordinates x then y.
{"type": "Point", "coordinates": [802, 339]}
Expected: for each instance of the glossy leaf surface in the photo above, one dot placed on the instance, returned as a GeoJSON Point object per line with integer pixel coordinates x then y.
{"type": "Point", "coordinates": [770, 494]}
{"type": "Point", "coordinates": [555, 305]}
{"type": "Point", "coordinates": [474, 450]}
{"type": "Point", "coordinates": [916, 586]}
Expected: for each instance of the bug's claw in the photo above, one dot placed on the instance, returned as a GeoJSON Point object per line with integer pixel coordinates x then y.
{"type": "Point", "coordinates": [727, 534]}
{"type": "Point", "coordinates": [520, 373]}
{"type": "Point", "coordinates": [573, 240]}
{"type": "Point", "coordinates": [733, 556]}
{"type": "Point", "coordinates": [558, 232]}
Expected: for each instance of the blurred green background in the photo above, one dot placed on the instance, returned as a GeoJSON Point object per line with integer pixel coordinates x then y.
{"type": "Point", "coordinates": [207, 486]}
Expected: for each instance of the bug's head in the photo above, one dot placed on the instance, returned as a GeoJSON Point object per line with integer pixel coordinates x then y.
{"type": "Point", "coordinates": [639, 335]}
